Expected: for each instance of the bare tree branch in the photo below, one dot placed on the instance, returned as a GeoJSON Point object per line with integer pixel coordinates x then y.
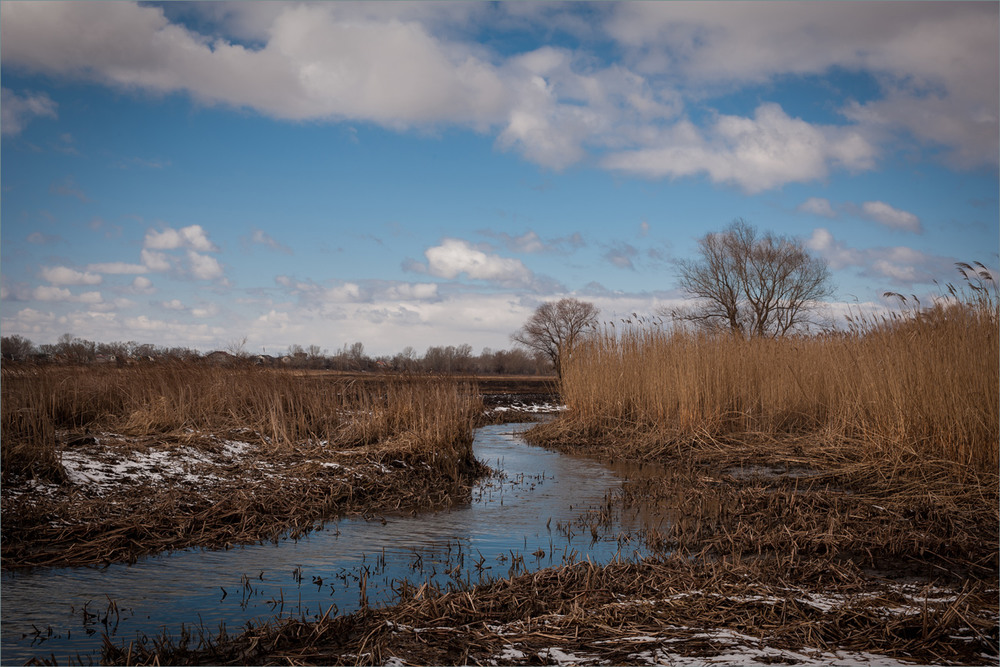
{"type": "Point", "coordinates": [751, 284]}
{"type": "Point", "coordinates": [555, 328]}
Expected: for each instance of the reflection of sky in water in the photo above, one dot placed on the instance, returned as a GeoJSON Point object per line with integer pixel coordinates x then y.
{"type": "Point", "coordinates": [531, 510]}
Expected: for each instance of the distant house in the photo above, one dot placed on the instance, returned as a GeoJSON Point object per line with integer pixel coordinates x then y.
{"type": "Point", "coordinates": [219, 358]}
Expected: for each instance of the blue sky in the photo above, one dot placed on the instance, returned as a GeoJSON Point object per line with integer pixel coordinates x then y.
{"type": "Point", "coordinates": [426, 174]}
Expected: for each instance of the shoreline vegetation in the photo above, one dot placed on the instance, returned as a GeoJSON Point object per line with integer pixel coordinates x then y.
{"type": "Point", "coordinates": [830, 498]}
{"type": "Point", "coordinates": [109, 464]}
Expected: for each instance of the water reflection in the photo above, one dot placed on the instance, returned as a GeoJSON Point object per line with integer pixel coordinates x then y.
{"type": "Point", "coordinates": [546, 509]}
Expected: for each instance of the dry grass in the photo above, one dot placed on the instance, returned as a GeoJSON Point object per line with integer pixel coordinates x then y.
{"type": "Point", "coordinates": [317, 448]}
{"type": "Point", "coordinates": [922, 384]}
{"type": "Point", "coordinates": [284, 408]}
{"type": "Point", "coordinates": [669, 608]}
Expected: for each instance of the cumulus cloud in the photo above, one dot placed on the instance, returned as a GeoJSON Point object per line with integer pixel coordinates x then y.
{"type": "Point", "coordinates": [63, 275]}
{"type": "Point", "coordinates": [756, 154]}
{"type": "Point", "coordinates": [884, 214]}
{"type": "Point", "coordinates": [118, 268]}
{"type": "Point", "coordinates": [404, 65]}
{"type": "Point", "coordinates": [61, 294]}
{"type": "Point", "coordinates": [362, 291]}
{"type": "Point", "coordinates": [876, 211]}
{"type": "Point", "coordinates": [142, 285]}
{"type": "Point", "coordinates": [900, 264]}
{"type": "Point", "coordinates": [192, 237]}
{"type": "Point", "coordinates": [155, 261]}
{"type": "Point", "coordinates": [204, 267]}
{"type": "Point", "coordinates": [16, 111]}
{"type": "Point", "coordinates": [937, 63]}
{"type": "Point", "coordinates": [207, 310]}
{"type": "Point", "coordinates": [194, 263]}
{"type": "Point", "coordinates": [455, 257]}
{"type": "Point", "coordinates": [173, 304]}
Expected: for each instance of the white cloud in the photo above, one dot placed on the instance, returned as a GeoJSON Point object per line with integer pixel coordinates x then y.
{"type": "Point", "coordinates": [88, 297]}
{"type": "Point", "coordinates": [173, 304]}
{"type": "Point", "coordinates": [339, 62]}
{"type": "Point", "coordinates": [61, 294]}
{"type": "Point", "coordinates": [155, 261]}
{"type": "Point", "coordinates": [312, 66]}
{"type": "Point", "coordinates": [900, 264]}
{"type": "Point", "coordinates": [365, 291]}
{"type": "Point", "coordinates": [204, 267]}
{"type": "Point", "coordinates": [118, 268]}
{"type": "Point", "coordinates": [142, 285]}
{"type": "Point", "coordinates": [891, 217]}
{"type": "Point", "coordinates": [757, 154]}
{"type": "Point", "coordinates": [209, 310]}
{"type": "Point", "coordinates": [947, 49]}
{"type": "Point", "coordinates": [16, 111]}
{"type": "Point", "coordinates": [410, 291]}
{"type": "Point", "coordinates": [192, 237]}
{"type": "Point", "coordinates": [48, 293]}
{"type": "Point", "coordinates": [62, 275]}
{"type": "Point", "coordinates": [455, 257]}
{"type": "Point", "coordinates": [817, 206]}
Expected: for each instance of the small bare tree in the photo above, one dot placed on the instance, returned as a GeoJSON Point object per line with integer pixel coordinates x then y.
{"type": "Point", "coordinates": [752, 284]}
{"type": "Point", "coordinates": [555, 327]}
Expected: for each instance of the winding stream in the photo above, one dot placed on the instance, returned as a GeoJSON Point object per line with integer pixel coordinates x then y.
{"type": "Point", "coordinates": [542, 511]}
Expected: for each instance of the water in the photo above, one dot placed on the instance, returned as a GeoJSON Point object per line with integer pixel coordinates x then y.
{"type": "Point", "coordinates": [540, 513]}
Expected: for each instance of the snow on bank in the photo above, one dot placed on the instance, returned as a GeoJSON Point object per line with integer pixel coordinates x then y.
{"type": "Point", "coordinates": [101, 470]}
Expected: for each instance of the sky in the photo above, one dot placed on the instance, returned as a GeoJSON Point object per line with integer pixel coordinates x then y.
{"type": "Point", "coordinates": [199, 174]}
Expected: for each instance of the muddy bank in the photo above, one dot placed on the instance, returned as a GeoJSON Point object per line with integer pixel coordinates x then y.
{"type": "Point", "coordinates": [124, 498]}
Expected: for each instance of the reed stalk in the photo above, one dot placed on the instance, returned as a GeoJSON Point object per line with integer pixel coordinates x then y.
{"type": "Point", "coordinates": [922, 382]}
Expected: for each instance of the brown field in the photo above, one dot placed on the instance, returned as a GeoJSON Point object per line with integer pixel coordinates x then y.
{"type": "Point", "coordinates": [305, 440]}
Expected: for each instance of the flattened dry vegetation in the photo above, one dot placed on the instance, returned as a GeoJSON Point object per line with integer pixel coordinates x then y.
{"type": "Point", "coordinates": [659, 611]}
{"type": "Point", "coordinates": [110, 464]}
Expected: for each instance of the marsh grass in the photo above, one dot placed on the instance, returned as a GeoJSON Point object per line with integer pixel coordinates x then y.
{"type": "Point", "coordinates": [284, 409]}
{"type": "Point", "coordinates": [921, 383]}
{"type": "Point", "coordinates": [315, 447]}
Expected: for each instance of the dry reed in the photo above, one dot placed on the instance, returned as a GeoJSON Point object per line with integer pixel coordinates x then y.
{"type": "Point", "coordinates": [329, 446]}
{"type": "Point", "coordinates": [284, 408]}
{"type": "Point", "coordinates": [920, 384]}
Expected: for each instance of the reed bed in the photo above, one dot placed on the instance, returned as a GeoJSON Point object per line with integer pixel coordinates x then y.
{"type": "Point", "coordinates": [312, 448]}
{"type": "Point", "coordinates": [922, 384]}
{"type": "Point", "coordinates": [283, 408]}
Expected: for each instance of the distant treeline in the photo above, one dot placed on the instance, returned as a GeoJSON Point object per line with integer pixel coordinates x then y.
{"type": "Point", "coordinates": [437, 359]}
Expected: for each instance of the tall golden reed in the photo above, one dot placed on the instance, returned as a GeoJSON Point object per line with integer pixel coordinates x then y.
{"type": "Point", "coordinates": [923, 382]}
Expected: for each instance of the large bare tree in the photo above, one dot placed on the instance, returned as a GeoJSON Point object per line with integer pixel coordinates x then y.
{"type": "Point", "coordinates": [555, 327]}
{"type": "Point", "coordinates": [753, 284]}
